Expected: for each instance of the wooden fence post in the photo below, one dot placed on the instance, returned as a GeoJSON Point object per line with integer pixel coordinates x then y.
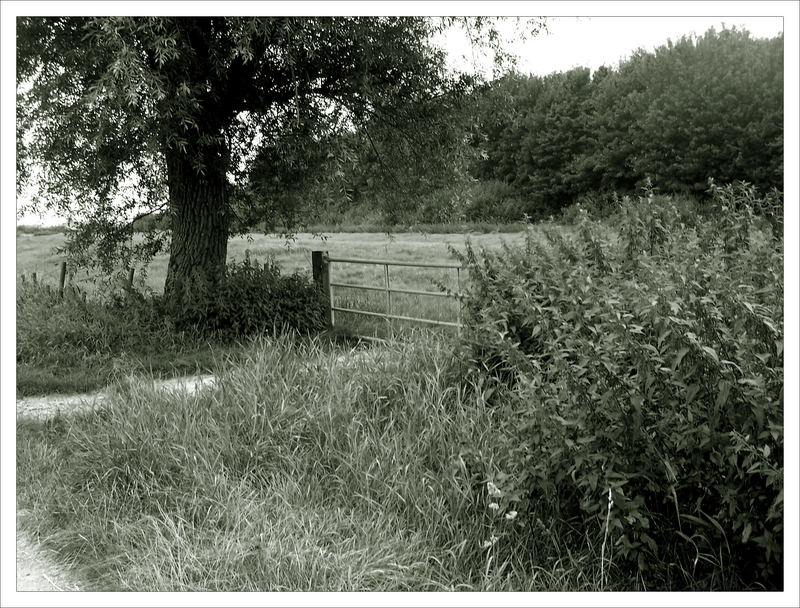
{"type": "Point", "coordinates": [320, 269]}
{"type": "Point", "coordinates": [61, 279]}
{"type": "Point", "coordinates": [316, 267]}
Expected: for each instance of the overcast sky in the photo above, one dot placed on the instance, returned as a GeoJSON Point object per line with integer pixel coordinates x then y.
{"type": "Point", "coordinates": [595, 41]}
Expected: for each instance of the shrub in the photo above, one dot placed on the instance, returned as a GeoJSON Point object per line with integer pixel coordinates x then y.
{"type": "Point", "coordinates": [495, 201]}
{"type": "Point", "coordinates": [641, 389]}
{"type": "Point", "coordinates": [442, 206]}
{"type": "Point", "coordinates": [47, 322]}
{"type": "Point", "coordinates": [249, 299]}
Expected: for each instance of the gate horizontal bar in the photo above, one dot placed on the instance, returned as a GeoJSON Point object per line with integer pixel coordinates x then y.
{"type": "Point", "coordinates": [391, 263]}
{"type": "Point", "coordinates": [398, 317]}
{"type": "Point", "coordinates": [416, 292]}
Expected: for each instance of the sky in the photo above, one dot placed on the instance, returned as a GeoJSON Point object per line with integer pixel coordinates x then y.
{"type": "Point", "coordinates": [591, 42]}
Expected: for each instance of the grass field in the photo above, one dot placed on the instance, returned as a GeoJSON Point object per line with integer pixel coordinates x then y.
{"type": "Point", "coordinates": [36, 252]}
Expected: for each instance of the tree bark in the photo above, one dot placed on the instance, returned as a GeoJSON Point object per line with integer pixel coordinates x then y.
{"type": "Point", "coordinates": [200, 219]}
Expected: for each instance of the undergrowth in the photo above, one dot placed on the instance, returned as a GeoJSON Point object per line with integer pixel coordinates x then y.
{"type": "Point", "coordinates": [641, 387]}
{"type": "Point", "coordinates": [80, 342]}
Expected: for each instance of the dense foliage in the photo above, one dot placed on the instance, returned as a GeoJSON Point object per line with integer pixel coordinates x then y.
{"type": "Point", "coordinates": [639, 381]}
{"type": "Point", "coordinates": [80, 341]}
{"type": "Point", "coordinates": [250, 299]}
{"type": "Point", "coordinates": [710, 106]}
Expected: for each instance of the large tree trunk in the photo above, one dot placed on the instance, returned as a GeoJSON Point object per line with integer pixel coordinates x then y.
{"type": "Point", "coordinates": [199, 218]}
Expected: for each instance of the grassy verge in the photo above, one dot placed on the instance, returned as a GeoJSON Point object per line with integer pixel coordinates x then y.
{"type": "Point", "coordinates": [301, 469]}
{"type": "Point", "coordinates": [78, 343]}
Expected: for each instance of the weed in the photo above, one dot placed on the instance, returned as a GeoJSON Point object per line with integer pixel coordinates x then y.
{"type": "Point", "coordinates": [652, 366]}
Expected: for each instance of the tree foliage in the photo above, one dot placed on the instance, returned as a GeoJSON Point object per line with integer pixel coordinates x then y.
{"type": "Point", "coordinates": [537, 143]}
{"type": "Point", "coordinates": [710, 106]}
{"type": "Point", "coordinates": [127, 115]}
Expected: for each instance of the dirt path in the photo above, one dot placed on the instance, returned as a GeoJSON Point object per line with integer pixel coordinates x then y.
{"type": "Point", "coordinates": [37, 570]}
{"type": "Point", "coordinates": [47, 406]}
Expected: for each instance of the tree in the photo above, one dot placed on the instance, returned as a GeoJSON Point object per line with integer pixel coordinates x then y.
{"type": "Point", "coordinates": [126, 115]}
{"type": "Point", "coordinates": [537, 144]}
{"type": "Point", "coordinates": [708, 106]}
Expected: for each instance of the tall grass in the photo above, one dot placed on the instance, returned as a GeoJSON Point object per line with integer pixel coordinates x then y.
{"type": "Point", "coordinates": [302, 469]}
{"type": "Point", "coordinates": [80, 342]}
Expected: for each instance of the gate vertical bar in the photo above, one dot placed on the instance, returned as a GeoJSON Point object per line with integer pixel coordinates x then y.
{"type": "Point", "coordinates": [326, 283]}
{"type": "Point", "coordinates": [458, 299]}
{"type": "Point", "coordinates": [388, 298]}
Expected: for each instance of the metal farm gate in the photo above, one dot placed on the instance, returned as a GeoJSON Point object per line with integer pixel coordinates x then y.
{"type": "Point", "coordinates": [321, 266]}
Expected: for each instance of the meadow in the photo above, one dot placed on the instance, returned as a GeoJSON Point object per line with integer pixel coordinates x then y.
{"type": "Point", "coordinates": [609, 418]}
{"type": "Point", "coordinates": [37, 252]}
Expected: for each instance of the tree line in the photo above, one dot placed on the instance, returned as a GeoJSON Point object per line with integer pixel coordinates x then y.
{"type": "Point", "coordinates": [526, 145]}
{"type": "Point", "coordinates": [699, 108]}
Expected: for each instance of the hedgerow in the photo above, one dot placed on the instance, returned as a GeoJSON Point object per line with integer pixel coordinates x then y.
{"type": "Point", "coordinates": [78, 341]}
{"type": "Point", "coordinates": [639, 385]}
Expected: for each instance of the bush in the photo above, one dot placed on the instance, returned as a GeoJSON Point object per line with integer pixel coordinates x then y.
{"type": "Point", "coordinates": [495, 201]}
{"type": "Point", "coordinates": [46, 322]}
{"type": "Point", "coordinates": [442, 206]}
{"type": "Point", "coordinates": [640, 390]}
{"type": "Point", "coordinates": [249, 299]}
